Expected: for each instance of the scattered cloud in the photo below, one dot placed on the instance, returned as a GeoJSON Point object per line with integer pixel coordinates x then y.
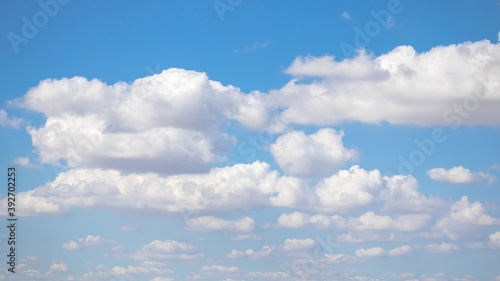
{"type": "Point", "coordinates": [459, 174]}
{"type": "Point", "coordinates": [59, 267]}
{"type": "Point", "coordinates": [145, 268]}
{"type": "Point", "coordinates": [211, 223]}
{"type": "Point", "coordinates": [378, 251]}
{"type": "Point", "coordinates": [442, 248]}
{"type": "Point", "coordinates": [89, 241]}
{"type": "Point", "coordinates": [465, 220]}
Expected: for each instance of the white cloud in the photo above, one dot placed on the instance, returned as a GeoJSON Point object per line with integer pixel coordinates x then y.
{"type": "Point", "coordinates": [289, 247]}
{"type": "Point", "coordinates": [442, 248]}
{"type": "Point", "coordinates": [349, 190]}
{"type": "Point", "coordinates": [168, 122]}
{"type": "Point", "coordinates": [372, 252]}
{"type": "Point", "coordinates": [238, 187]}
{"type": "Point", "coordinates": [243, 186]}
{"type": "Point", "coordinates": [367, 236]}
{"type": "Point", "coordinates": [5, 121]}
{"type": "Point", "coordinates": [59, 267]}
{"type": "Point", "coordinates": [130, 227]}
{"type": "Point", "coordinates": [29, 259]}
{"type": "Point", "coordinates": [459, 174]}
{"type": "Point", "coordinates": [247, 237]}
{"type": "Point", "coordinates": [494, 239]}
{"type": "Point", "coordinates": [211, 223]}
{"type": "Point", "coordinates": [163, 250]}
{"type": "Point", "coordinates": [24, 162]}
{"type": "Point", "coordinates": [402, 250]}
{"type": "Point", "coordinates": [346, 15]}
{"type": "Point", "coordinates": [147, 267]}
{"type": "Point", "coordinates": [334, 258]}
{"type": "Point", "coordinates": [298, 244]}
{"type": "Point", "coordinates": [89, 241]}
{"type": "Point", "coordinates": [465, 220]}
{"type": "Point", "coordinates": [378, 251]}
{"type": "Point", "coordinates": [235, 254]}
{"type": "Point", "coordinates": [220, 268]}
{"type": "Point", "coordinates": [366, 222]}
{"type": "Point", "coordinates": [260, 254]}
{"type": "Point", "coordinates": [396, 87]}
{"type": "Point", "coordinates": [161, 279]}
{"type": "Point", "coordinates": [316, 154]}
{"type": "Point", "coordinates": [495, 167]}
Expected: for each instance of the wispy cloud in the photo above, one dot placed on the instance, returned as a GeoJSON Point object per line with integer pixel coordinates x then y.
{"type": "Point", "coordinates": [256, 45]}
{"type": "Point", "coordinates": [5, 121]}
{"type": "Point", "coordinates": [346, 15]}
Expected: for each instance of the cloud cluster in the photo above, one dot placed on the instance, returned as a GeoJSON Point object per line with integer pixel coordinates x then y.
{"type": "Point", "coordinates": [466, 221]}
{"type": "Point", "coordinates": [442, 86]}
{"type": "Point", "coordinates": [238, 187]}
{"type": "Point", "coordinates": [166, 123]}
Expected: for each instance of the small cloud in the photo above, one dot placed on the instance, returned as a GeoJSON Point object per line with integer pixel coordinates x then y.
{"type": "Point", "coordinates": [29, 258]}
{"type": "Point", "coordinates": [495, 166]}
{"type": "Point", "coordinates": [459, 175]}
{"type": "Point", "coordinates": [24, 162]}
{"type": "Point", "coordinates": [390, 22]}
{"type": "Point", "coordinates": [90, 241]}
{"type": "Point", "coordinates": [442, 248]}
{"type": "Point", "coordinates": [346, 15]}
{"type": "Point", "coordinates": [130, 227]}
{"type": "Point", "coordinates": [372, 252]}
{"type": "Point", "coordinates": [253, 47]}
{"type": "Point", "coordinates": [59, 267]}
{"type": "Point", "coordinates": [5, 121]}
{"type": "Point", "coordinates": [247, 237]}
{"type": "Point", "coordinates": [298, 244]}
{"type": "Point", "coordinates": [211, 223]}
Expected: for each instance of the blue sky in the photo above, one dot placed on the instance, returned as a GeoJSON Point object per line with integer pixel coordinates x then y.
{"type": "Point", "coordinates": [252, 140]}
